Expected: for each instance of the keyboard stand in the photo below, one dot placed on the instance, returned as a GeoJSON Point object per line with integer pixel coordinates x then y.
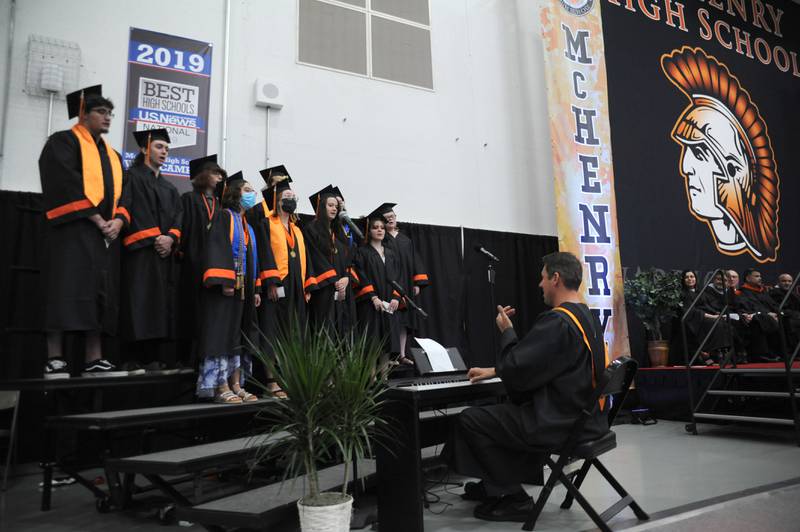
{"type": "Point", "coordinates": [400, 481]}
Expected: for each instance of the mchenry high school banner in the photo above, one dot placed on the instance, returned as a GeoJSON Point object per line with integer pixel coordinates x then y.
{"type": "Point", "coordinates": [169, 79]}
{"type": "Point", "coordinates": [572, 32]}
{"type": "Point", "coordinates": [704, 99]}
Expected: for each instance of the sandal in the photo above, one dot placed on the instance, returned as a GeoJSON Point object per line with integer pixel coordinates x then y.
{"type": "Point", "coordinates": [228, 397]}
{"type": "Point", "coordinates": [404, 360]}
{"type": "Point", "coordinates": [277, 392]}
{"type": "Point", "coordinates": [246, 396]}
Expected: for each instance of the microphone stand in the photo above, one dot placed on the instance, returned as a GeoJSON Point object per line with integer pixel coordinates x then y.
{"type": "Point", "coordinates": [490, 274]}
{"type": "Point", "coordinates": [410, 303]}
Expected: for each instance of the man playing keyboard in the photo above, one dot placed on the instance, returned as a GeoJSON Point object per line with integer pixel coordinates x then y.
{"type": "Point", "coordinates": [548, 376]}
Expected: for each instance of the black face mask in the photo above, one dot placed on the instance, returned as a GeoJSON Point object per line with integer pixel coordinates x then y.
{"type": "Point", "coordinates": [288, 205]}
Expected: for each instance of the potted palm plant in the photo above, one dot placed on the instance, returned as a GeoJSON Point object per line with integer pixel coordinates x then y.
{"type": "Point", "coordinates": [334, 390]}
{"type": "Point", "coordinates": [655, 297]}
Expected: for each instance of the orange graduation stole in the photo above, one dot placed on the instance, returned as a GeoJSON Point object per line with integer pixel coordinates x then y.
{"type": "Point", "coordinates": [577, 322]}
{"type": "Point", "coordinates": [93, 187]}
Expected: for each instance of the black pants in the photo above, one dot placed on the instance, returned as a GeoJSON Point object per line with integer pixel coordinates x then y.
{"type": "Point", "coordinates": [488, 443]}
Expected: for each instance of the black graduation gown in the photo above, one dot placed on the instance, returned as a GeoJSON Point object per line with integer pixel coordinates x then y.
{"type": "Point", "coordinates": [149, 282]}
{"type": "Point", "coordinates": [332, 260]}
{"type": "Point", "coordinates": [80, 273]}
{"type": "Point", "coordinates": [274, 318]}
{"type": "Point", "coordinates": [224, 319]}
{"type": "Point", "coordinates": [791, 313]}
{"type": "Point", "coordinates": [548, 379]}
{"type": "Point", "coordinates": [412, 273]}
{"type": "Point", "coordinates": [694, 322]}
{"type": "Point", "coordinates": [761, 334]}
{"type": "Point", "coordinates": [199, 213]}
{"type": "Point", "coordinates": [713, 302]}
{"type": "Point", "coordinates": [373, 280]}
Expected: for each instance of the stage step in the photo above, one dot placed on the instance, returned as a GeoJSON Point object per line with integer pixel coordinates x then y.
{"type": "Point", "coordinates": [194, 459]}
{"type": "Point", "coordinates": [765, 372]}
{"type": "Point", "coordinates": [258, 508]}
{"type": "Point", "coordinates": [160, 415]}
{"type": "Point", "coordinates": [751, 419]}
{"type": "Point", "coordinates": [749, 393]}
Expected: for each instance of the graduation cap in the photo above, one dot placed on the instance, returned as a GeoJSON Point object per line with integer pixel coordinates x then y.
{"type": "Point", "coordinates": [380, 211]}
{"type": "Point", "coordinates": [76, 100]}
{"type": "Point", "coordinates": [146, 136]}
{"type": "Point", "coordinates": [316, 197]}
{"type": "Point", "coordinates": [337, 192]}
{"type": "Point", "coordinates": [227, 182]}
{"type": "Point", "coordinates": [277, 179]}
{"type": "Point", "coordinates": [198, 165]}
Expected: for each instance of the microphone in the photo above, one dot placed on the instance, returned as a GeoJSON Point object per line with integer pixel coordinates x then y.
{"type": "Point", "coordinates": [353, 227]}
{"type": "Point", "coordinates": [409, 301]}
{"type": "Point", "coordinates": [397, 287]}
{"type": "Point", "coordinates": [480, 249]}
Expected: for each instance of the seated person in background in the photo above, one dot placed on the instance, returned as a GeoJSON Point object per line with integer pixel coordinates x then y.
{"type": "Point", "coordinates": [732, 281]}
{"type": "Point", "coordinates": [791, 311]}
{"type": "Point", "coordinates": [759, 314]}
{"type": "Point", "coordinates": [710, 305]}
{"type": "Point", "coordinates": [549, 376]}
{"type": "Point", "coordinates": [679, 352]}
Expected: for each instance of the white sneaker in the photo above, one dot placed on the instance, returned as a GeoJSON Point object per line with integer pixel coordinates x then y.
{"type": "Point", "coordinates": [56, 368]}
{"type": "Point", "coordinates": [102, 368]}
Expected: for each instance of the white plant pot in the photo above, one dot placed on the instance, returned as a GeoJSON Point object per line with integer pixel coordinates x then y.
{"type": "Point", "coordinates": [330, 518]}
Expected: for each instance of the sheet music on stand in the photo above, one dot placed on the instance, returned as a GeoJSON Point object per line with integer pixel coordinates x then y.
{"type": "Point", "coordinates": [437, 355]}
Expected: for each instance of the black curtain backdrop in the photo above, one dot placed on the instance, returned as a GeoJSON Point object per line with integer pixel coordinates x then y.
{"type": "Point", "coordinates": [516, 284]}
{"type": "Point", "coordinates": [457, 300]}
{"type": "Point", "coordinates": [22, 346]}
{"type": "Point", "coordinates": [443, 299]}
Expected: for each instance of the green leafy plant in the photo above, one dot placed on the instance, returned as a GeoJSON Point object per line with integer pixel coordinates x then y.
{"type": "Point", "coordinates": [334, 387]}
{"type": "Point", "coordinates": [655, 297]}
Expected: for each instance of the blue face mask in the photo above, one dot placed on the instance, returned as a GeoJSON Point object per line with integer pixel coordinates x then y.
{"type": "Point", "coordinates": [248, 200]}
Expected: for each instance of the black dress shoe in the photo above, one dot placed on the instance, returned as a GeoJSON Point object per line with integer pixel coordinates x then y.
{"type": "Point", "coordinates": [515, 508]}
{"type": "Point", "coordinates": [474, 491]}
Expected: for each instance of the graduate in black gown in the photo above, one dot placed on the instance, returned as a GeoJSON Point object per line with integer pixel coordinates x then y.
{"type": "Point", "coordinates": [348, 233]}
{"type": "Point", "coordinates": [149, 270]}
{"type": "Point", "coordinates": [285, 269]}
{"type": "Point", "coordinates": [229, 299]}
{"type": "Point", "coordinates": [548, 375]}
{"type": "Point", "coordinates": [377, 302]}
{"type": "Point", "coordinates": [332, 304]}
{"type": "Point", "coordinates": [84, 196]}
{"type": "Point", "coordinates": [200, 210]}
{"type": "Point", "coordinates": [711, 304]}
{"type": "Point", "coordinates": [413, 277]}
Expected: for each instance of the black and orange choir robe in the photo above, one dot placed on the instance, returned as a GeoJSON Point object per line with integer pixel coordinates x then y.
{"type": "Point", "coordinates": [200, 212]}
{"type": "Point", "coordinates": [225, 320]}
{"type": "Point", "coordinates": [149, 282]}
{"type": "Point", "coordinates": [549, 375]}
{"type": "Point", "coordinates": [373, 277]}
{"type": "Point", "coordinates": [283, 262]}
{"type": "Point", "coordinates": [81, 177]}
{"type": "Point", "coordinates": [412, 273]}
{"type": "Point", "coordinates": [332, 260]}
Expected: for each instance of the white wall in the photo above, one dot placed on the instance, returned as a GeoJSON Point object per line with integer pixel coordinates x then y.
{"type": "Point", "coordinates": [397, 144]}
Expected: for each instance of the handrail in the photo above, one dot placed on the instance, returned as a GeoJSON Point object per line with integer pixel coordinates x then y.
{"type": "Point", "coordinates": [700, 347]}
{"type": "Point", "coordinates": [789, 358]}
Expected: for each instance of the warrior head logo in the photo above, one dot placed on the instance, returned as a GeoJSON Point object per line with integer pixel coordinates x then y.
{"type": "Point", "coordinates": [727, 161]}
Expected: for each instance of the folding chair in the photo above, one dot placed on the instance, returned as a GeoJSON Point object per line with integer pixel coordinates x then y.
{"type": "Point", "coordinates": [615, 382]}
{"type": "Point", "coordinates": [9, 401]}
